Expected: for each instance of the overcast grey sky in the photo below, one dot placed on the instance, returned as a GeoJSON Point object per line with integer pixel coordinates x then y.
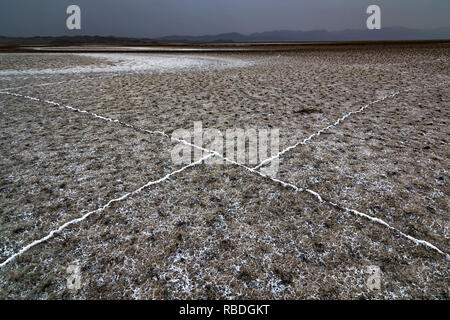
{"type": "Point", "coordinates": [154, 18]}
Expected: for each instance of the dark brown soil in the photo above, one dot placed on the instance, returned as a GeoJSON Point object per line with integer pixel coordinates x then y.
{"type": "Point", "coordinates": [212, 231]}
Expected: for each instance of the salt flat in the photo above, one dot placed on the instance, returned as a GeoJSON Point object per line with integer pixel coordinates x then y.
{"type": "Point", "coordinates": [208, 231]}
{"type": "Point", "coordinates": [128, 62]}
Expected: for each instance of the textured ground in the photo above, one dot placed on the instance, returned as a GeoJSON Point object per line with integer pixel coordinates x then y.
{"type": "Point", "coordinates": [221, 231]}
{"type": "Point", "coordinates": [57, 164]}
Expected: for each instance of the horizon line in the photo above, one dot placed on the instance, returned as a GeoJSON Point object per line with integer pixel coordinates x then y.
{"type": "Point", "coordinates": [223, 33]}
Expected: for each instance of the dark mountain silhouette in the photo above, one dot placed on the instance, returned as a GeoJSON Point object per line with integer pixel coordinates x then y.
{"type": "Point", "coordinates": [66, 40]}
{"type": "Point", "coordinates": [392, 33]}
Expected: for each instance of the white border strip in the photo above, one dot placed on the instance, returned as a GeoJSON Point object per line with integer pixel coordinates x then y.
{"type": "Point", "coordinates": [253, 170]}
{"type": "Point", "coordinates": [81, 111]}
{"type": "Point", "coordinates": [382, 222]}
{"type": "Point", "coordinates": [102, 208]}
{"type": "Point", "coordinates": [329, 127]}
{"type": "Point", "coordinates": [109, 76]}
{"type": "Point", "coordinates": [334, 124]}
{"type": "Point", "coordinates": [321, 200]}
{"type": "Point", "coordinates": [37, 85]}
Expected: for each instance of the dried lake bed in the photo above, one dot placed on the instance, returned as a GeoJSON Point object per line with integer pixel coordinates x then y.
{"type": "Point", "coordinates": [370, 190]}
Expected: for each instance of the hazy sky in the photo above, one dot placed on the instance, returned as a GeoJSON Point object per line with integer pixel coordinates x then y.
{"type": "Point", "coordinates": [154, 18]}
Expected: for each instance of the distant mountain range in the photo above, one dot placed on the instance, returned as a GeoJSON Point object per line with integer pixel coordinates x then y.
{"type": "Point", "coordinates": [391, 33]}
{"type": "Point", "coordinates": [68, 40]}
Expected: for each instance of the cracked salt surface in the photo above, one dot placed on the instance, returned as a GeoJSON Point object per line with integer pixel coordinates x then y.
{"type": "Point", "coordinates": [125, 62]}
{"type": "Point", "coordinates": [313, 260]}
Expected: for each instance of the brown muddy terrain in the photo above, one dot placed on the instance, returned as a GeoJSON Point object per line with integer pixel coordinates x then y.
{"type": "Point", "coordinates": [370, 191]}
